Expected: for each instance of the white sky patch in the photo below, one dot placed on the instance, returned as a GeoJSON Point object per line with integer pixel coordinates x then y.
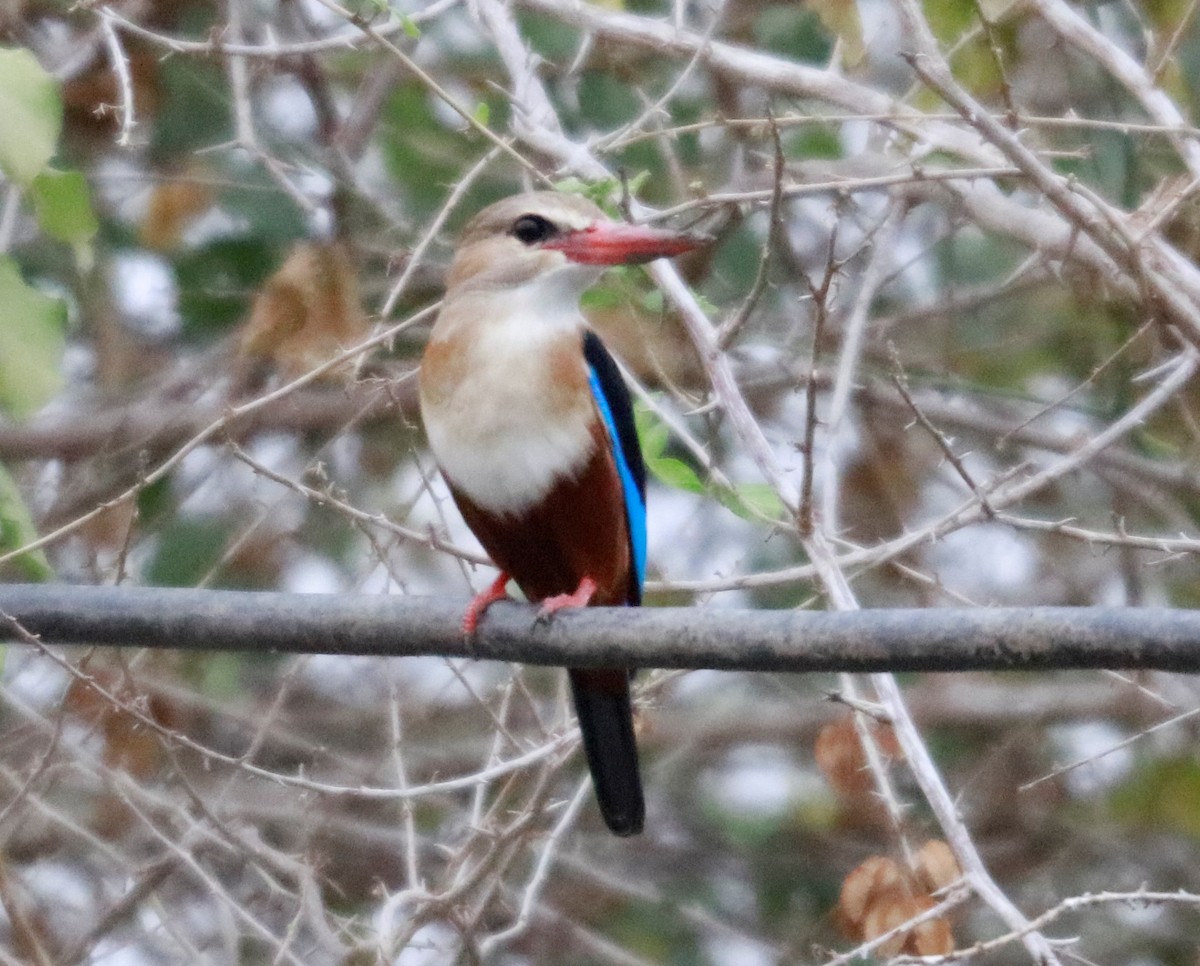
{"type": "Point", "coordinates": [121, 185]}
{"type": "Point", "coordinates": [700, 683]}
{"type": "Point", "coordinates": [286, 107]}
{"type": "Point", "coordinates": [47, 482]}
{"type": "Point", "coordinates": [213, 225]}
{"type": "Point", "coordinates": [448, 116]}
{"type": "Point", "coordinates": [917, 275]}
{"type": "Point", "coordinates": [202, 477]}
{"type": "Point", "coordinates": [378, 580]}
{"type": "Point", "coordinates": [454, 30]}
{"type": "Point", "coordinates": [1141, 918]}
{"type": "Point", "coordinates": [758, 781]}
{"type": "Point", "coordinates": [146, 293]}
{"type": "Point", "coordinates": [425, 571]}
{"type": "Point", "coordinates": [430, 945]}
{"type": "Point", "coordinates": [60, 887]}
{"type": "Point", "coordinates": [342, 456]}
{"type": "Point", "coordinates": [691, 538]}
{"type": "Point", "coordinates": [1076, 742]}
{"type": "Point", "coordinates": [211, 480]}
{"type": "Point", "coordinates": [809, 225]}
{"type": "Point", "coordinates": [31, 678]}
{"type": "Point", "coordinates": [729, 950]}
{"type": "Point", "coordinates": [987, 562]}
{"type": "Point", "coordinates": [884, 38]}
{"type": "Point", "coordinates": [362, 680]}
{"type": "Point", "coordinates": [109, 952]}
{"type": "Point", "coordinates": [343, 676]}
{"type": "Point", "coordinates": [1068, 419]}
{"type": "Point", "coordinates": [311, 575]}
{"type": "Point", "coordinates": [440, 680]}
{"type": "Point", "coordinates": [149, 915]}
{"type": "Point", "coordinates": [1114, 591]}
{"type": "Point", "coordinates": [79, 364]}
{"type": "Point", "coordinates": [320, 16]}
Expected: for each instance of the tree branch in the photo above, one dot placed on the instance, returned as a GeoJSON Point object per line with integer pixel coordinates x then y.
{"type": "Point", "coordinates": [678, 637]}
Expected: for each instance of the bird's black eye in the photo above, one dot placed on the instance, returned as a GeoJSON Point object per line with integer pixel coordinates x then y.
{"type": "Point", "coordinates": [531, 229]}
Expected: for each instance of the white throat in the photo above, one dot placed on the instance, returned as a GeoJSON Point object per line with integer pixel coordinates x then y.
{"type": "Point", "coordinates": [505, 435]}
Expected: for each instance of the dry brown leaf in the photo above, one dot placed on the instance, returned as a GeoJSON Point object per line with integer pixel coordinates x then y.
{"type": "Point", "coordinates": [307, 312]}
{"type": "Point", "coordinates": [109, 530]}
{"type": "Point", "coordinates": [174, 205]}
{"type": "Point", "coordinates": [879, 896]}
{"type": "Point", "coordinates": [91, 98]}
{"type": "Point", "coordinates": [890, 910]}
{"type": "Point", "coordinates": [861, 890]}
{"type": "Point", "coordinates": [839, 755]}
{"type": "Point", "coordinates": [128, 743]}
{"type": "Point", "coordinates": [937, 866]}
{"type": "Point", "coordinates": [932, 937]}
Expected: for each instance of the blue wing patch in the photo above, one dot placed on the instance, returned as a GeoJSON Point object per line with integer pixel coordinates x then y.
{"type": "Point", "coordinates": [616, 409]}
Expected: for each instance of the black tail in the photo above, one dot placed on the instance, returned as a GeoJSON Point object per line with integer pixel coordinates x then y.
{"type": "Point", "coordinates": [606, 722]}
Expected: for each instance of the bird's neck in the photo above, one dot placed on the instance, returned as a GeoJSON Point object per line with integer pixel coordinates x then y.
{"type": "Point", "coordinates": [505, 395]}
{"type": "Point", "coordinates": [529, 313]}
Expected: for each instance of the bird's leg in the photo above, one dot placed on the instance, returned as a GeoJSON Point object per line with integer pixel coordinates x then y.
{"type": "Point", "coordinates": [481, 602]}
{"type": "Point", "coordinates": [580, 598]}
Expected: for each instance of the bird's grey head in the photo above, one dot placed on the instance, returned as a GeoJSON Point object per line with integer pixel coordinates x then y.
{"type": "Point", "coordinates": [563, 241]}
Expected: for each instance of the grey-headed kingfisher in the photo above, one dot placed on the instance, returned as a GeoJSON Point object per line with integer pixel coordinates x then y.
{"type": "Point", "coordinates": [532, 426]}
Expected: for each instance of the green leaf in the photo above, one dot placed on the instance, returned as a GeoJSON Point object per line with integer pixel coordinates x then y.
{"type": "Point", "coordinates": [795, 31]}
{"type": "Point", "coordinates": [187, 550]}
{"type": "Point", "coordinates": [752, 501]}
{"type": "Point", "coordinates": [369, 9]}
{"type": "Point", "coordinates": [638, 182]}
{"type": "Point", "coordinates": [410, 27]}
{"type": "Point", "coordinates": [601, 297]}
{"type": "Point", "coordinates": [30, 115]}
{"type": "Point", "coordinates": [482, 113]}
{"type": "Point", "coordinates": [1162, 794]}
{"type": "Point", "coordinates": [996, 10]}
{"type": "Point", "coordinates": [17, 529]}
{"type": "Point", "coordinates": [653, 433]}
{"type": "Point", "coordinates": [63, 206]}
{"type": "Point", "coordinates": [420, 151]}
{"type": "Point", "coordinates": [676, 473]}
{"type": "Point", "coordinates": [221, 675]}
{"type": "Point", "coordinates": [603, 192]}
{"type": "Point", "coordinates": [605, 99]}
{"type": "Point", "coordinates": [598, 192]}
{"type": "Point", "coordinates": [948, 18]}
{"type": "Point", "coordinates": [215, 282]}
{"type": "Point", "coordinates": [32, 338]}
{"type": "Point", "coordinates": [840, 17]}
{"type": "Point", "coordinates": [191, 112]}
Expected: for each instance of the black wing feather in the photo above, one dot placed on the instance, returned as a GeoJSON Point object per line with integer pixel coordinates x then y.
{"type": "Point", "coordinates": [619, 401]}
{"type": "Point", "coordinates": [620, 406]}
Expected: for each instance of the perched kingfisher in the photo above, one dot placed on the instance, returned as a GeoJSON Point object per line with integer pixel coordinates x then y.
{"type": "Point", "coordinates": [532, 426]}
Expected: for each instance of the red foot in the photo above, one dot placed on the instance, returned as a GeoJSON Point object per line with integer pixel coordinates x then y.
{"type": "Point", "coordinates": [581, 598]}
{"type": "Point", "coordinates": [481, 602]}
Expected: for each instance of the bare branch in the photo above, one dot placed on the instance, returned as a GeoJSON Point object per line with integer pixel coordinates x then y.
{"type": "Point", "coordinates": [797, 641]}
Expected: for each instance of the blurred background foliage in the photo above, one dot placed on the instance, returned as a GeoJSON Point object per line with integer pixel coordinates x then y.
{"type": "Point", "coordinates": [183, 231]}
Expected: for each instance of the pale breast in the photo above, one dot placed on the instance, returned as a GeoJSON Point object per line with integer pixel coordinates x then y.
{"type": "Point", "coordinates": [508, 411]}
